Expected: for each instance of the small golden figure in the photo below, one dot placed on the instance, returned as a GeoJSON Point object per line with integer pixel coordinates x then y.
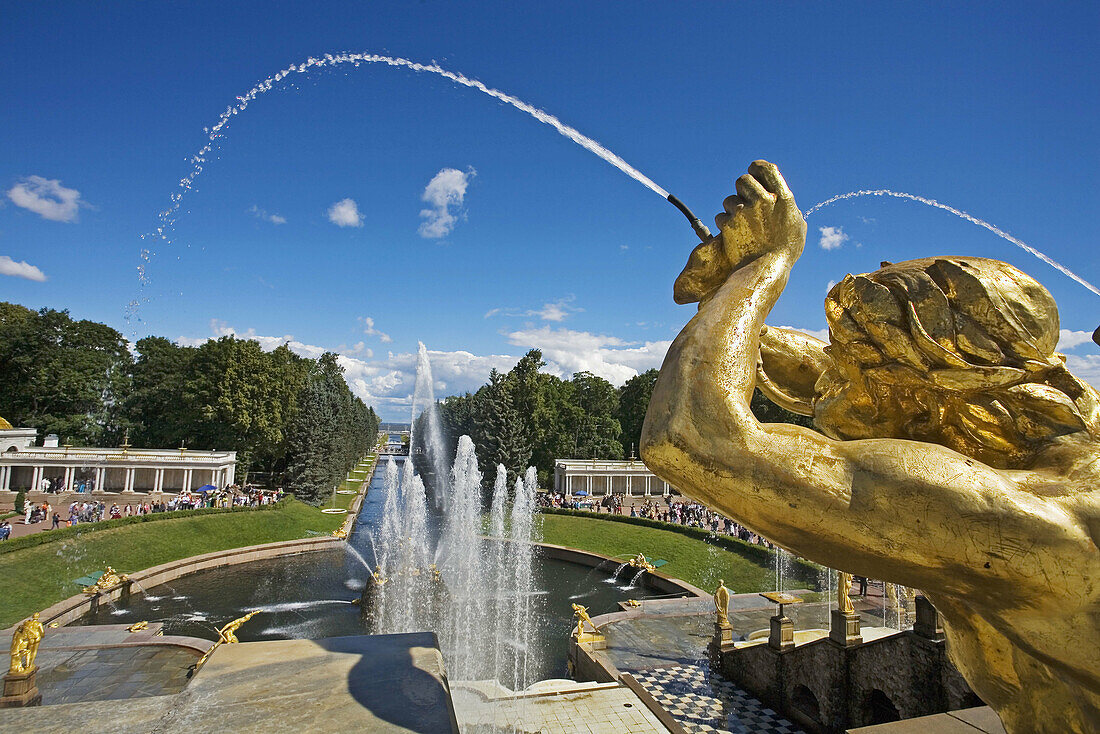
{"type": "Point", "coordinates": [138, 626]}
{"type": "Point", "coordinates": [633, 603]}
{"type": "Point", "coordinates": [24, 644]}
{"type": "Point", "coordinates": [722, 603]}
{"type": "Point", "coordinates": [581, 613]}
{"type": "Point", "coordinates": [640, 561]}
{"type": "Point", "coordinates": [225, 634]}
{"type": "Point", "coordinates": [843, 588]}
{"type": "Point", "coordinates": [379, 579]}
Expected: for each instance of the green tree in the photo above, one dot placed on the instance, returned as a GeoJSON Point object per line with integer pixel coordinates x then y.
{"type": "Point", "coordinates": [596, 428]}
{"type": "Point", "coordinates": [313, 438]}
{"type": "Point", "coordinates": [633, 402]}
{"type": "Point", "coordinates": [63, 376]}
{"type": "Point", "coordinates": [499, 430]}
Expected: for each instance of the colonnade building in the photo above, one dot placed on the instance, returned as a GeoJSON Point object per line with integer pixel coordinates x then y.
{"type": "Point", "coordinates": [137, 474]}
{"type": "Point", "coordinates": [599, 477]}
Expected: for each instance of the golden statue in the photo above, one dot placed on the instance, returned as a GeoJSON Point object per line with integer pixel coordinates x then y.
{"type": "Point", "coordinates": [24, 644]}
{"type": "Point", "coordinates": [379, 579]}
{"type": "Point", "coordinates": [722, 603]}
{"type": "Point", "coordinates": [109, 578]}
{"type": "Point", "coordinates": [344, 529]}
{"type": "Point", "coordinates": [954, 451]}
{"type": "Point", "coordinates": [640, 561]}
{"type": "Point", "coordinates": [581, 613]}
{"type": "Point", "coordinates": [843, 588]}
{"type": "Point", "coordinates": [138, 627]}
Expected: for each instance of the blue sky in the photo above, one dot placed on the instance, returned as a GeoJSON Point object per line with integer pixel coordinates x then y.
{"type": "Point", "coordinates": [316, 219]}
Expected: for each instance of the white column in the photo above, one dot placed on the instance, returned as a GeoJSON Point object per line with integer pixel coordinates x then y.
{"type": "Point", "coordinates": [187, 479]}
{"type": "Point", "coordinates": [214, 477]}
{"type": "Point", "coordinates": [158, 480]}
{"type": "Point", "coordinates": [128, 483]}
{"type": "Point", "coordinates": [69, 478]}
{"type": "Point", "coordinates": [588, 486]}
{"type": "Point", "coordinates": [230, 473]}
{"type": "Point", "coordinates": [36, 478]}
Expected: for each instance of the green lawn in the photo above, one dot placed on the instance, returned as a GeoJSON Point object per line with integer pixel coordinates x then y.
{"type": "Point", "coordinates": [694, 561]}
{"type": "Point", "coordinates": [34, 578]}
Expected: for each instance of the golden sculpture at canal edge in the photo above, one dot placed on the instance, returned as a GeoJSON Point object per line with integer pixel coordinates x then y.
{"type": "Point", "coordinates": [109, 578]}
{"type": "Point", "coordinates": [956, 454]}
{"type": "Point", "coordinates": [226, 636]}
{"type": "Point", "coordinates": [581, 614]}
{"type": "Point", "coordinates": [641, 562]}
{"type": "Point", "coordinates": [24, 644]}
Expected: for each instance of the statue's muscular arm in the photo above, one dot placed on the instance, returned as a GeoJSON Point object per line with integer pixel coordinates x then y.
{"type": "Point", "coordinates": [911, 512]}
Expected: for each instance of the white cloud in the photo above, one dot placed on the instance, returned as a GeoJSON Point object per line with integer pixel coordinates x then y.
{"type": "Point", "coordinates": [557, 310]}
{"type": "Point", "coordinates": [832, 238]}
{"type": "Point", "coordinates": [1069, 339]}
{"type": "Point", "coordinates": [829, 287]}
{"type": "Point", "coordinates": [567, 351]}
{"type": "Point", "coordinates": [47, 198]}
{"type": "Point", "coordinates": [369, 330]}
{"type": "Point", "coordinates": [822, 334]}
{"type": "Point", "coordinates": [1087, 367]}
{"type": "Point", "coordinates": [267, 217]}
{"type": "Point", "coordinates": [21, 269]}
{"type": "Point", "coordinates": [445, 194]}
{"type": "Point", "coordinates": [345, 213]}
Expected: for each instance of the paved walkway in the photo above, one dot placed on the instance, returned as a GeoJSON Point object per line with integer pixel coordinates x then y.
{"type": "Point", "coordinates": [107, 662]}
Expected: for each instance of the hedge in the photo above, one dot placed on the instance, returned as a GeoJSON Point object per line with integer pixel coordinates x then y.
{"type": "Point", "coordinates": [50, 536]}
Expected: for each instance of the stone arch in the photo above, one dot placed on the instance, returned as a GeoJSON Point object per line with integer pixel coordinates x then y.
{"type": "Point", "coordinates": [805, 702]}
{"type": "Point", "coordinates": [879, 709]}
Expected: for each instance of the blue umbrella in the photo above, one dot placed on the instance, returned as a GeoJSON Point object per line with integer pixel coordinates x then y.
{"type": "Point", "coordinates": [581, 493]}
{"type": "Point", "coordinates": [206, 488]}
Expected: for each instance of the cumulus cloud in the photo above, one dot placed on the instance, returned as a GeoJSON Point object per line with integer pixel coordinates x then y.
{"type": "Point", "coordinates": [345, 213]}
{"type": "Point", "coordinates": [567, 351]}
{"type": "Point", "coordinates": [20, 269]}
{"type": "Point", "coordinates": [47, 198]}
{"type": "Point", "coordinates": [268, 217]}
{"type": "Point", "coordinates": [1069, 339]}
{"type": "Point", "coordinates": [445, 194]}
{"type": "Point", "coordinates": [1087, 367]}
{"type": "Point", "coordinates": [369, 330]}
{"type": "Point", "coordinates": [832, 237]}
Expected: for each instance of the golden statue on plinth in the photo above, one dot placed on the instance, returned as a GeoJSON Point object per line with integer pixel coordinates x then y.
{"type": "Point", "coordinates": [722, 603]}
{"type": "Point", "coordinates": [843, 588]}
{"type": "Point", "coordinates": [955, 453]}
{"type": "Point", "coordinates": [24, 644]}
{"type": "Point", "coordinates": [641, 562]}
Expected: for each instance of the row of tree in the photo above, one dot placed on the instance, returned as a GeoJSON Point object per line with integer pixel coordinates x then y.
{"type": "Point", "coordinates": [283, 414]}
{"type": "Point", "coordinates": [526, 417]}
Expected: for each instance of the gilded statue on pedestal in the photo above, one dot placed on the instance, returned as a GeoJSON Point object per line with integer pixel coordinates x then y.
{"type": "Point", "coordinates": [954, 452]}
{"type": "Point", "coordinates": [843, 588]}
{"type": "Point", "coordinates": [24, 644]}
{"type": "Point", "coordinates": [109, 578]}
{"type": "Point", "coordinates": [722, 603]}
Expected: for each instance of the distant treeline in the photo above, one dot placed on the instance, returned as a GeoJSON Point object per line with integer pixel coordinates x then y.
{"type": "Point", "coordinates": [289, 416]}
{"type": "Point", "coordinates": [530, 418]}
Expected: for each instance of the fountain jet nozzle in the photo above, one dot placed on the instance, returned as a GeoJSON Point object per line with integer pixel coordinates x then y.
{"type": "Point", "coordinates": [698, 226]}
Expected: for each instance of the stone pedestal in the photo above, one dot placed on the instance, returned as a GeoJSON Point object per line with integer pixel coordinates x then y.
{"type": "Point", "coordinates": [20, 689]}
{"type": "Point", "coordinates": [782, 633]}
{"type": "Point", "coordinates": [928, 623]}
{"type": "Point", "coordinates": [844, 629]}
{"type": "Point", "coordinates": [592, 640]}
{"type": "Point", "coordinates": [723, 634]}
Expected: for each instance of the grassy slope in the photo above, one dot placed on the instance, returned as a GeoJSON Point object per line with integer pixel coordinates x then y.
{"type": "Point", "coordinates": [691, 560]}
{"type": "Point", "coordinates": [34, 578]}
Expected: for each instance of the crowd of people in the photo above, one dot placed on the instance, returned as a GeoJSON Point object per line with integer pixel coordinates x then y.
{"type": "Point", "coordinates": [93, 511]}
{"type": "Point", "coordinates": [665, 509]}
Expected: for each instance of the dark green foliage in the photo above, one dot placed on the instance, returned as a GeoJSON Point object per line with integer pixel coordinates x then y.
{"type": "Point", "coordinates": [20, 502]}
{"type": "Point", "coordinates": [500, 434]}
{"type": "Point", "coordinates": [78, 379]}
{"type": "Point", "coordinates": [633, 402]}
{"type": "Point", "coordinates": [62, 376]}
{"type": "Point", "coordinates": [768, 412]}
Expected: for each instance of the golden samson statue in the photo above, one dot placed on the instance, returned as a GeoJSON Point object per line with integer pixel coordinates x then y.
{"type": "Point", "coordinates": [954, 451]}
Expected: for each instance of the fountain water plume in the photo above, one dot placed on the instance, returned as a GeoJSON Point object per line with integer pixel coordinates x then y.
{"type": "Point", "coordinates": [963, 215]}
{"type": "Point", "coordinates": [430, 444]}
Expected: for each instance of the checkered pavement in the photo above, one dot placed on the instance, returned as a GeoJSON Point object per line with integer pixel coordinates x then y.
{"type": "Point", "coordinates": [702, 701]}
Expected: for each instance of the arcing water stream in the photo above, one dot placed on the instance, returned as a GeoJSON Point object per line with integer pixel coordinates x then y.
{"type": "Point", "coordinates": [167, 217]}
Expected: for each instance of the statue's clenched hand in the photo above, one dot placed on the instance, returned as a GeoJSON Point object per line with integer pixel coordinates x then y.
{"type": "Point", "coordinates": [761, 217]}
